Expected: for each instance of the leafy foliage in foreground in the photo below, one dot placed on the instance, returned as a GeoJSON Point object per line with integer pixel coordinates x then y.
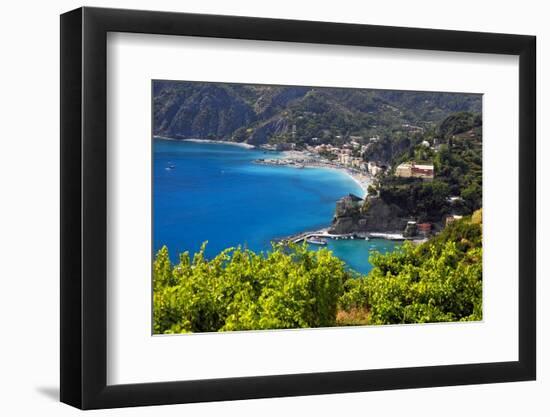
{"type": "Point", "coordinates": [293, 287]}
{"type": "Point", "coordinates": [437, 281]}
{"type": "Point", "coordinates": [288, 287]}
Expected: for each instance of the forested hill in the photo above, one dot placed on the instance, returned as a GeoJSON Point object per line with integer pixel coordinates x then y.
{"type": "Point", "coordinates": [260, 114]}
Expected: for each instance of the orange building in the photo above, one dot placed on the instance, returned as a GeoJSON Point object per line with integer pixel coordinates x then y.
{"type": "Point", "coordinates": [424, 228]}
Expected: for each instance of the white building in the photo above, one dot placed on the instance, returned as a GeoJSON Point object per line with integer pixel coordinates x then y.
{"type": "Point", "coordinates": [344, 158]}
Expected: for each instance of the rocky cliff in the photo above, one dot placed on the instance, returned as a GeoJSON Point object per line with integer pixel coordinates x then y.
{"type": "Point", "coordinates": [370, 215]}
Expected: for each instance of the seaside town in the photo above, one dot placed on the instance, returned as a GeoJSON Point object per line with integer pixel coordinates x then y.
{"type": "Point", "coordinates": [350, 158]}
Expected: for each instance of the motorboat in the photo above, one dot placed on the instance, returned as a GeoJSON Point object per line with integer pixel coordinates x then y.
{"type": "Point", "coordinates": [316, 241]}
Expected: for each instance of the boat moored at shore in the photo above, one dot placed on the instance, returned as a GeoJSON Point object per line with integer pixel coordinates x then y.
{"type": "Point", "coordinates": [316, 241]}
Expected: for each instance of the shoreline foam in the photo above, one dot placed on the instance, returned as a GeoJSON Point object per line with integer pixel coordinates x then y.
{"type": "Point", "coordinates": [362, 184]}
{"type": "Point", "coordinates": [216, 142]}
{"type": "Point", "coordinates": [361, 180]}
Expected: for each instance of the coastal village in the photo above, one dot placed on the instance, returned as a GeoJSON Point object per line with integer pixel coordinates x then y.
{"type": "Point", "coordinates": [349, 156]}
{"type": "Point", "coordinates": [349, 221]}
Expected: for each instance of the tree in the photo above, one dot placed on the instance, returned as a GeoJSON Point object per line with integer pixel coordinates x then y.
{"type": "Point", "coordinates": [472, 196]}
{"type": "Point", "coordinates": [371, 190]}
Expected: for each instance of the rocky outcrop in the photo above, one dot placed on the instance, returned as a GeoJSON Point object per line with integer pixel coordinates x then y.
{"type": "Point", "coordinates": [370, 215]}
{"type": "Point", "coordinates": [275, 126]}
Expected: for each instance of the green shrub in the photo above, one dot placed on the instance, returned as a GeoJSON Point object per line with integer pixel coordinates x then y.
{"type": "Point", "coordinates": [437, 281]}
{"type": "Point", "coordinates": [287, 287]}
{"type": "Point", "coordinates": [293, 287]}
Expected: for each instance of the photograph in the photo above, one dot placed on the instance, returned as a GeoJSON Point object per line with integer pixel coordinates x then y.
{"type": "Point", "coordinates": [291, 207]}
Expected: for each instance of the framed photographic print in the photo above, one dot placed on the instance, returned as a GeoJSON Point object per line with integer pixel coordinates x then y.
{"type": "Point", "coordinates": [257, 208]}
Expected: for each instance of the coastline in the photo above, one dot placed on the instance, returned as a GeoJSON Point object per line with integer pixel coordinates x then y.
{"type": "Point", "coordinates": [324, 233]}
{"type": "Point", "coordinates": [348, 252]}
{"type": "Point", "coordinates": [361, 180]}
{"type": "Point", "coordinates": [218, 142]}
{"type": "Point", "coordinates": [297, 159]}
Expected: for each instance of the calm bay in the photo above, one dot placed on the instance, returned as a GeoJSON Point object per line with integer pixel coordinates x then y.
{"type": "Point", "coordinates": [215, 192]}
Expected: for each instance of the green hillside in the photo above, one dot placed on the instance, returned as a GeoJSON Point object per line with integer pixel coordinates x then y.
{"type": "Point", "coordinates": [261, 114]}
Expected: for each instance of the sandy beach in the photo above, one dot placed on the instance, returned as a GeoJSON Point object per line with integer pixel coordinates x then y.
{"type": "Point", "coordinates": [220, 142]}
{"type": "Point", "coordinates": [362, 180]}
{"type": "Point", "coordinates": [306, 160]}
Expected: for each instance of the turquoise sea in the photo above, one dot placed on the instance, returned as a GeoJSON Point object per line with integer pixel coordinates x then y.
{"type": "Point", "coordinates": [214, 192]}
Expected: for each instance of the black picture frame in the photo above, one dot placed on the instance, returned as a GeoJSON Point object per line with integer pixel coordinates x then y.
{"type": "Point", "coordinates": [84, 207]}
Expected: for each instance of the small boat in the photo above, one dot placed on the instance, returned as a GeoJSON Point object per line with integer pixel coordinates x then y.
{"type": "Point", "coordinates": [316, 241]}
{"type": "Point", "coordinates": [170, 167]}
{"type": "Point", "coordinates": [367, 238]}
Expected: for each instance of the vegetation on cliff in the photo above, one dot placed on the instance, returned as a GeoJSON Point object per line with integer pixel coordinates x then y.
{"type": "Point", "coordinates": [292, 287]}
{"type": "Point", "coordinates": [457, 160]}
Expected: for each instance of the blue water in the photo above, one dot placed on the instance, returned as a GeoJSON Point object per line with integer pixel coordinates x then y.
{"type": "Point", "coordinates": [356, 252]}
{"type": "Point", "coordinates": [215, 193]}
